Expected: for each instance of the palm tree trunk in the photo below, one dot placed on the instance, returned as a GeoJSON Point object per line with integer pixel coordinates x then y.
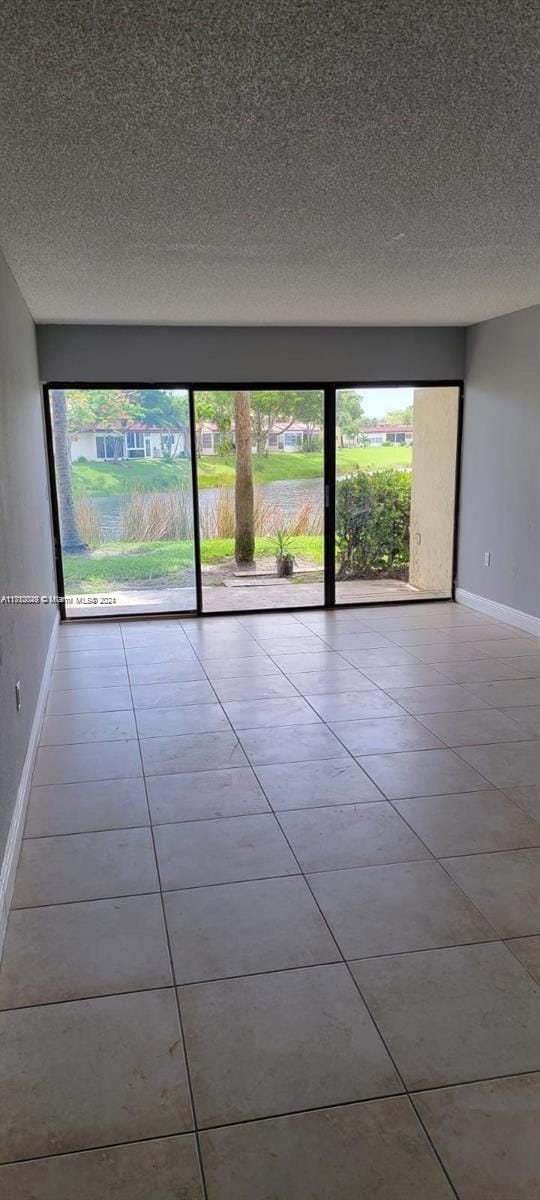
{"type": "Point", "coordinates": [244, 542]}
{"type": "Point", "coordinates": [72, 542]}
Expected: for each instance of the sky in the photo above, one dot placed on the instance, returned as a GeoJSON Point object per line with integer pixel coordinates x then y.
{"type": "Point", "coordinates": [376, 402]}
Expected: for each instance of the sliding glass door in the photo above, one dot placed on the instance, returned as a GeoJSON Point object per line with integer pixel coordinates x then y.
{"type": "Point", "coordinates": [396, 463]}
{"type": "Point", "coordinates": [124, 499]}
{"type": "Point", "coordinates": [179, 500]}
{"type": "Point", "coordinates": [260, 476]}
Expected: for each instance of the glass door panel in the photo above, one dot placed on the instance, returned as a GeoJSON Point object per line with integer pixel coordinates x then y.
{"type": "Point", "coordinates": [396, 458]}
{"type": "Point", "coordinates": [260, 472]}
{"type": "Point", "coordinates": [122, 461]}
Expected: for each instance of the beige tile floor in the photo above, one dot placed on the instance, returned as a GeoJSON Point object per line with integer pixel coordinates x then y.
{"type": "Point", "coordinates": [276, 926]}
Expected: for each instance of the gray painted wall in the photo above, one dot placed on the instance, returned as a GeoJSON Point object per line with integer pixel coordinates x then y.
{"type": "Point", "coordinates": [26, 555]}
{"type": "Point", "coordinates": [182, 354]}
{"type": "Point", "coordinates": [500, 483]}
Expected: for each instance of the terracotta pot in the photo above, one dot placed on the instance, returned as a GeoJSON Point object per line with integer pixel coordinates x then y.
{"type": "Point", "coordinates": [284, 565]}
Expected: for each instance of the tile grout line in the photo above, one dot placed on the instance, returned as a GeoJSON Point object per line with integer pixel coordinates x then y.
{"type": "Point", "coordinates": [276, 1116]}
{"type": "Point", "coordinates": [433, 857]}
{"type": "Point", "coordinates": [367, 1008]}
{"type": "Point", "coordinates": [359, 989]}
{"type": "Point", "coordinates": [362, 804]}
{"type": "Point", "coordinates": [330, 962]}
{"type": "Point", "coordinates": [303, 875]}
{"type": "Point", "coordinates": [173, 978]}
{"type": "Point", "coordinates": [331, 933]}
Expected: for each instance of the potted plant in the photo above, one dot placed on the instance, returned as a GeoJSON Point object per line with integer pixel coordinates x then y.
{"type": "Point", "coordinates": [284, 559]}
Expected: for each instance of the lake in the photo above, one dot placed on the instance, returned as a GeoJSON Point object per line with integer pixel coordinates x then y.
{"type": "Point", "coordinates": [287, 494]}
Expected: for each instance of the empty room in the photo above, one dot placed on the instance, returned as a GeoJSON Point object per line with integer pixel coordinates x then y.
{"type": "Point", "coordinates": [269, 600]}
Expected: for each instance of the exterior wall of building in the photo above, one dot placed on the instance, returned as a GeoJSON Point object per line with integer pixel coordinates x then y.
{"type": "Point", "coordinates": [390, 436]}
{"type": "Point", "coordinates": [290, 441]}
{"type": "Point", "coordinates": [83, 445]}
{"type": "Point", "coordinates": [433, 488]}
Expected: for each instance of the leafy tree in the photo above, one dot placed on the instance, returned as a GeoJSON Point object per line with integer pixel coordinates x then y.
{"type": "Point", "coordinates": [308, 407]}
{"type": "Point", "coordinates": [267, 408]}
{"type": "Point", "coordinates": [217, 408]}
{"type": "Point", "coordinates": [270, 408]}
{"type": "Point", "coordinates": [400, 416]}
{"type": "Point", "coordinates": [112, 410]}
{"type": "Point", "coordinates": [350, 413]}
{"type": "Point", "coordinates": [168, 411]}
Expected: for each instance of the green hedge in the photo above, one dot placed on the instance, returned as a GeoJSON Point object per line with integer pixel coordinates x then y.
{"type": "Point", "coordinates": [372, 524]}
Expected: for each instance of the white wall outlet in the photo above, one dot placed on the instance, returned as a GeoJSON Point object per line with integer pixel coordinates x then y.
{"type": "Point", "coordinates": [487, 558]}
{"type": "Point", "coordinates": [18, 696]}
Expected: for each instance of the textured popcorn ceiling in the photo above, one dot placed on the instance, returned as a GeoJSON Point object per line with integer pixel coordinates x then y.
{"type": "Point", "coordinates": [333, 161]}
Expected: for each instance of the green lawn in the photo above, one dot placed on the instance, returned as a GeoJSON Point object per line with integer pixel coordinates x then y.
{"type": "Point", "coordinates": [162, 563]}
{"type": "Point", "coordinates": [154, 475]}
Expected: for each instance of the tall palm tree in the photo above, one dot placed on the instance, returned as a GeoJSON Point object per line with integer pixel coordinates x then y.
{"type": "Point", "coordinates": [244, 541]}
{"type": "Point", "coordinates": [72, 542]}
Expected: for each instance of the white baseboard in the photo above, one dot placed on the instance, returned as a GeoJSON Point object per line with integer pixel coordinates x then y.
{"type": "Point", "coordinates": [13, 845]}
{"type": "Point", "coordinates": [499, 612]}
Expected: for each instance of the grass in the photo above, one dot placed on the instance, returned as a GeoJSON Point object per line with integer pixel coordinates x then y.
{"type": "Point", "coordinates": [154, 475]}
{"type": "Point", "coordinates": [144, 475]}
{"type": "Point", "coordinates": [163, 564]}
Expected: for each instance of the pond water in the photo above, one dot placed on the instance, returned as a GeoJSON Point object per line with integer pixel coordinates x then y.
{"type": "Point", "coordinates": [287, 494]}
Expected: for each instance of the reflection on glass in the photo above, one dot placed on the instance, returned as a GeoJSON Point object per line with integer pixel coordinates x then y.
{"type": "Point", "coordinates": [395, 492]}
{"type": "Point", "coordinates": [125, 499]}
{"type": "Point", "coordinates": [260, 470]}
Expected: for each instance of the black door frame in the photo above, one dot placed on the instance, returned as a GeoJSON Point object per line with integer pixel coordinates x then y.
{"type": "Point", "coordinates": [329, 390]}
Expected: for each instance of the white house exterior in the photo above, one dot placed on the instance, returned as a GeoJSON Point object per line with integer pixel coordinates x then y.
{"type": "Point", "coordinates": [394, 435]}
{"type": "Point", "coordinates": [136, 441]}
{"type": "Point", "coordinates": [289, 438]}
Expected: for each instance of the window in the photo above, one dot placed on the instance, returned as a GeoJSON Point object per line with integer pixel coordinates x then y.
{"type": "Point", "coordinates": [135, 445]}
{"type": "Point", "coordinates": [110, 445]}
{"type": "Point", "coordinates": [207, 442]}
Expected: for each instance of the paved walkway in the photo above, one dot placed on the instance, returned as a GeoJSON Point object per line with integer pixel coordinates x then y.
{"type": "Point", "coordinates": [221, 599]}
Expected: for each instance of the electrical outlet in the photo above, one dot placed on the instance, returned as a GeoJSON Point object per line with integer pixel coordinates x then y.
{"type": "Point", "coordinates": [18, 696]}
{"type": "Point", "coordinates": [487, 559]}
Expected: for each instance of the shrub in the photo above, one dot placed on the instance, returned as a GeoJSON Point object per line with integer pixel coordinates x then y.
{"type": "Point", "coordinates": [157, 517]}
{"type": "Point", "coordinates": [218, 516]}
{"type": "Point", "coordinates": [88, 522]}
{"type": "Point", "coordinates": [308, 519]}
{"type": "Point", "coordinates": [372, 524]}
{"type": "Point", "coordinates": [225, 447]}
